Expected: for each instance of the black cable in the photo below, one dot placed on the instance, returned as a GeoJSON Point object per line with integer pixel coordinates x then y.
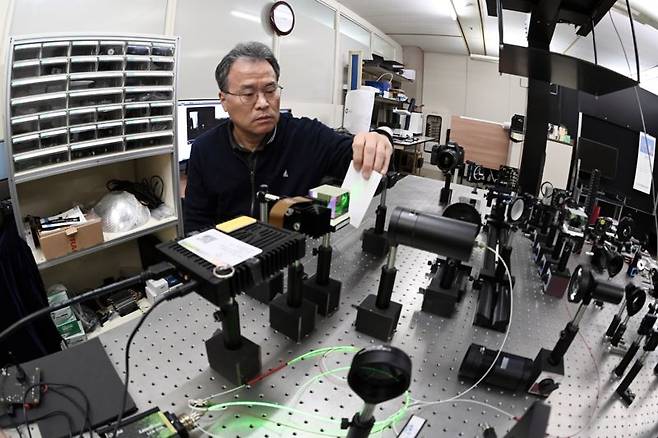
{"type": "Point", "coordinates": [148, 191]}
{"type": "Point", "coordinates": [85, 411]}
{"type": "Point", "coordinates": [57, 413]}
{"type": "Point", "coordinates": [181, 290]}
{"type": "Point", "coordinates": [51, 388]}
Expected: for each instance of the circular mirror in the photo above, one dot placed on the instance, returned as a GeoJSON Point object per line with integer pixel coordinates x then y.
{"type": "Point", "coordinates": [380, 373]}
{"type": "Point", "coordinates": [578, 284]}
{"type": "Point", "coordinates": [516, 210]}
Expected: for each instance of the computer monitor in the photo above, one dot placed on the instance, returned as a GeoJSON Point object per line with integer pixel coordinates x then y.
{"type": "Point", "coordinates": [595, 155]}
{"type": "Point", "coordinates": [194, 118]}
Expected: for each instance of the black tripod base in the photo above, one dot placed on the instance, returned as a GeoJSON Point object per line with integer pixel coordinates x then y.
{"type": "Point", "coordinates": [293, 322]}
{"type": "Point", "coordinates": [376, 322]}
{"type": "Point", "coordinates": [441, 302]}
{"type": "Point", "coordinates": [235, 365]}
{"type": "Point", "coordinates": [267, 290]}
{"type": "Point", "coordinates": [325, 296]}
{"type": "Point", "coordinates": [374, 243]}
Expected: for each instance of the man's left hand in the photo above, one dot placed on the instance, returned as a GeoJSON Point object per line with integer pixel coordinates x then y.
{"type": "Point", "coordinates": [371, 151]}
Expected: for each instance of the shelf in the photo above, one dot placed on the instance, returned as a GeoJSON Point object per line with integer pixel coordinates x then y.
{"type": "Point", "coordinates": [387, 101]}
{"type": "Point", "coordinates": [113, 323]}
{"type": "Point", "coordinates": [377, 71]}
{"type": "Point", "coordinates": [111, 239]}
{"type": "Point", "coordinates": [84, 163]}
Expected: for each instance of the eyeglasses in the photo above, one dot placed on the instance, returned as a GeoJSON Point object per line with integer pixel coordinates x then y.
{"type": "Point", "coordinates": [248, 97]}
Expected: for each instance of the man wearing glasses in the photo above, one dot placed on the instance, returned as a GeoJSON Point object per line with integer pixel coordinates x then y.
{"type": "Point", "coordinates": [258, 145]}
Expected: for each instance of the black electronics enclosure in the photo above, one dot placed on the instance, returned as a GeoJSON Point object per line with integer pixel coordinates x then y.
{"type": "Point", "coordinates": [280, 248]}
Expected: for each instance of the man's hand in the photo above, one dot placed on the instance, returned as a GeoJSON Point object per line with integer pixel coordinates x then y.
{"type": "Point", "coordinates": [371, 151]}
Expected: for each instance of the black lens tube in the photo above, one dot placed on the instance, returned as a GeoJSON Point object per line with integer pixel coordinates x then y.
{"type": "Point", "coordinates": [436, 234]}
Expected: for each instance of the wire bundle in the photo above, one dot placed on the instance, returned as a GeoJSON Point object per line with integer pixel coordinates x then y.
{"type": "Point", "coordinates": [149, 191]}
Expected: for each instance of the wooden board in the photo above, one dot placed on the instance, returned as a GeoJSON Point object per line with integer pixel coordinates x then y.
{"type": "Point", "coordinates": [485, 143]}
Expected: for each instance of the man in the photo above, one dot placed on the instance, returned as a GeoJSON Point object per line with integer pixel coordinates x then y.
{"type": "Point", "coordinates": [257, 145]}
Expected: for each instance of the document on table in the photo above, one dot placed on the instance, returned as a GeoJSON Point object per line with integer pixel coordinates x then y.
{"type": "Point", "coordinates": [361, 192]}
{"type": "Point", "coordinates": [219, 249]}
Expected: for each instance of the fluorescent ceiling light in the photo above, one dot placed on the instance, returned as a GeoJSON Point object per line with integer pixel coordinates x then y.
{"type": "Point", "coordinates": [484, 58]}
{"type": "Point", "coordinates": [245, 16]}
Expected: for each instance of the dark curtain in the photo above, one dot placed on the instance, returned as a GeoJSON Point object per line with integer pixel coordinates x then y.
{"type": "Point", "coordinates": [21, 293]}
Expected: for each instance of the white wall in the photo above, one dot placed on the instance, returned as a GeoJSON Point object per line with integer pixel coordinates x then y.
{"type": "Point", "coordinates": [413, 57]}
{"type": "Point", "coordinates": [460, 86]}
{"type": "Point", "coordinates": [312, 57]}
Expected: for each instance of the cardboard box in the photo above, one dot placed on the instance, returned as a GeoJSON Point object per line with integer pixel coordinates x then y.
{"type": "Point", "coordinates": [60, 242]}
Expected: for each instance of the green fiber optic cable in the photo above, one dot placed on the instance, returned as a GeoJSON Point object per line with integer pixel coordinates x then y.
{"type": "Point", "coordinates": [378, 425]}
{"type": "Point", "coordinates": [321, 351]}
{"type": "Point", "coordinates": [288, 425]}
{"type": "Point", "coordinates": [318, 377]}
{"type": "Point", "coordinates": [309, 354]}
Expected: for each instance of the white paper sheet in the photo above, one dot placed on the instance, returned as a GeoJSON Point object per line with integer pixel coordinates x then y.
{"type": "Point", "coordinates": [646, 153]}
{"type": "Point", "coordinates": [219, 248]}
{"type": "Point", "coordinates": [361, 193]}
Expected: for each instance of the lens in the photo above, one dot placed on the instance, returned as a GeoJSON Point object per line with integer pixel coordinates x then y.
{"type": "Point", "coordinates": [575, 284]}
{"type": "Point", "coordinates": [516, 210]}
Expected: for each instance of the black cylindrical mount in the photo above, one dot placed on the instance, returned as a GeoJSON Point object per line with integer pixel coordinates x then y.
{"type": "Point", "coordinates": [448, 273]}
{"type": "Point", "coordinates": [436, 234]}
{"type": "Point", "coordinates": [557, 249]}
{"type": "Point", "coordinates": [628, 357]}
{"type": "Point", "coordinates": [506, 255]}
{"type": "Point", "coordinates": [550, 238]}
{"type": "Point", "coordinates": [564, 257]}
{"type": "Point", "coordinates": [608, 292]}
{"type": "Point", "coordinates": [295, 293]}
{"type": "Point", "coordinates": [386, 283]}
{"type": "Point", "coordinates": [231, 325]}
{"type": "Point", "coordinates": [612, 328]}
{"type": "Point", "coordinates": [380, 219]}
{"type": "Point", "coordinates": [566, 338]}
{"type": "Point", "coordinates": [324, 265]}
{"type": "Point", "coordinates": [647, 323]}
{"type": "Point", "coordinates": [619, 333]}
{"type": "Point", "coordinates": [635, 370]}
{"type": "Point", "coordinates": [360, 427]}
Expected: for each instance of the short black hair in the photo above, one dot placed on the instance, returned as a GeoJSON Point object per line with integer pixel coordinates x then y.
{"type": "Point", "coordinates": [252, 50]}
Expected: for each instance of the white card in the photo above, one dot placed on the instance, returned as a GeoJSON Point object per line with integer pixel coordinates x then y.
{"type": "Point", "coordinates": [219, 248]}
{"type": "Point", "coordinates": [361, 192]}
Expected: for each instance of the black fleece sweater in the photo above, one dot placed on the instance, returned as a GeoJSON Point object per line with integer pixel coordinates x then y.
{"type": "Point", "coordinates": [222, 181]}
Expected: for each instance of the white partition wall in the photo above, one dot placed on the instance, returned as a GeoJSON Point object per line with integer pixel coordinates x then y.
{"type": "Point", "coordinates": [117, 16]}
{"type": "Point", "coordinates": [312, 57]}
{"type": "Point", "coordinates": [307, 55]}
{"type": "Point", "coordinates": [208, 29]}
